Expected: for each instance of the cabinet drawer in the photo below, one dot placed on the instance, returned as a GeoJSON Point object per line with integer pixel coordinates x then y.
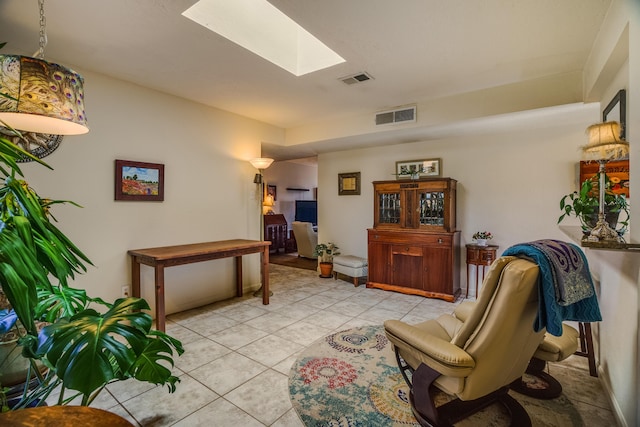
{"type": "Point", "coordinates": [438, 239]}
{"type": "Point", "coordinates": [406, 250]}
{"type": "Point", "coordinates": [404, 239]}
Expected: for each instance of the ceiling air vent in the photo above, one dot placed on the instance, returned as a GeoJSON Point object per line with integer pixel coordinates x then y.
{"type": "Point", "coordinates": [356, 78]}
{"type": "Point", "coordinates": [399, 115]}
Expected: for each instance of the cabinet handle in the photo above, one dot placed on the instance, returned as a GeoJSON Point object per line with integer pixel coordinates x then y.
{"type": "Point", "coordinates": [439, 240]}
{"type": "Point", "coordinates": [407, 249]}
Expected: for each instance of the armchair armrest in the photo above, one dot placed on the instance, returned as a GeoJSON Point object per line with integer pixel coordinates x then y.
{"type": "Point", "coordinates": [437, 353]}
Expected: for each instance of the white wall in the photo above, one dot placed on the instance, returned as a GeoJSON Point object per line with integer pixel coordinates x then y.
{"type": "Point", "coordinates": [614, 64]}
{"type": "Point", "coordinates": [512, 173]}
{"type": "Point", "coordinates": [509, 182]}
{"type": "Point", "coordinates": [209, 190]}
{"type": "Point", "coordinates": [291, 174]}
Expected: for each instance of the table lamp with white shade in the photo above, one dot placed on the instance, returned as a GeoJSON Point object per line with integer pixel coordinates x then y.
{"type": "Point", "coordinates": [604, 145]}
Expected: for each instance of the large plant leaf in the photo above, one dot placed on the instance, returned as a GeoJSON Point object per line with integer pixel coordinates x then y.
{"type": "Point", "coordinates": [11, 153]}
{"type": "Point", "coordinates": [148, 366]}
{"type": "Point", "coordinates": [53, 249]}
{"type": "Point", "coordinates": [20, 275]}
{"type": "Point", "coordinates": [92, 349]}
{"type": "Point", "coordinates": [60, 302]}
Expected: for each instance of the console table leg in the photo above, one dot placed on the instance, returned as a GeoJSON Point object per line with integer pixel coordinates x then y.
{"type": "Point", "coordinates": [239, 291]}
{"type": "Point", "coordinates": [160, 312]}
{"type": "Point", "coordinates": [264, 273]}
{"type": "Point", "coordinates": [135, 278]}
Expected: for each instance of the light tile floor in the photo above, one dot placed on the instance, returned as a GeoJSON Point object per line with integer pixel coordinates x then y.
{"type": "Point", "coordinates": [238, 354]}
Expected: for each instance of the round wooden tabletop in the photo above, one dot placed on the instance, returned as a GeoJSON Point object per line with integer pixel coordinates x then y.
{"type": "Point", "coordinates": [62, 416]}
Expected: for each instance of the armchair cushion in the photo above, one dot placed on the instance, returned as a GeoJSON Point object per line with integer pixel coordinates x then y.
{"type": "Point", "coordinates": [429, 343]}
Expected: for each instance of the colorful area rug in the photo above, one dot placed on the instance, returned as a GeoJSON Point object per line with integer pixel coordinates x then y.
{"type": "Point", "coordinates": [293, 260]}
{"type": "Point", "coordinates": [351, 378]}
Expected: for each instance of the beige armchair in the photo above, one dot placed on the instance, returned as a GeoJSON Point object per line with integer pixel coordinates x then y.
{"type": "Point", "coordinates": [475, 361]}
{"type": "Point", "coordinates": [551, 349]}
{"type": "Point", "coordinates": [306, 238]}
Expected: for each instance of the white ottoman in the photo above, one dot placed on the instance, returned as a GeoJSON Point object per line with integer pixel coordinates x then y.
{"type": "Point", "coordinates": [351, 266]}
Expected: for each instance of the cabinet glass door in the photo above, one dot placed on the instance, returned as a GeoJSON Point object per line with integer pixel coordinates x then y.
{"type": "Point", "coordinates": [431, 207]}
{"type": "Point", "coordinates": [388, 208]}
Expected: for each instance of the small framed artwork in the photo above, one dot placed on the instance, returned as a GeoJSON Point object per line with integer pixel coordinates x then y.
{"type": "Point", "coordinates": [349, 184]}
{"type": "Point", "coordinates": [272, 190]}
{"type": "Point", "coordinates": [616, 111]}
{"type": "Point", "coordinates": [139, 181]}
{"type": "Point", "coordinates": [617, 171]}
{"type": "Point", "coordinates": [414, 169]}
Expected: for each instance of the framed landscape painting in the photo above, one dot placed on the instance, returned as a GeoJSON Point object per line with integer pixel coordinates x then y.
{"type": "Point", "coordinates": [139, 181]}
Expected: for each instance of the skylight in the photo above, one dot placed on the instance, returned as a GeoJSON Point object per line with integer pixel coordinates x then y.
{"type": "Point", "coordinates": [261, 28]}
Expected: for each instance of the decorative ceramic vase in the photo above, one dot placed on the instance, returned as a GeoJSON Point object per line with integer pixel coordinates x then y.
{"type": "Point", "coordinates": [481, 242]}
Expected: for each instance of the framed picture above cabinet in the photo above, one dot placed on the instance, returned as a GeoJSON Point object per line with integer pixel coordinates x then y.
{"type": "Point", "coordinates": [414, 169]}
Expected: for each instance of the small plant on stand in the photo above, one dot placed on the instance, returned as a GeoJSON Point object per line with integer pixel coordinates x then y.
{"type": "Point", "coordinates": [584, 205]}
{"type": "Point", "coordinates": [325, 253]}
{"type": "Point", "coordinates": [481, 237]}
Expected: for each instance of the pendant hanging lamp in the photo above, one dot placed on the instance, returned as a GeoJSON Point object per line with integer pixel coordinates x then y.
{"type": "Point", "coordinates": [40, 96]}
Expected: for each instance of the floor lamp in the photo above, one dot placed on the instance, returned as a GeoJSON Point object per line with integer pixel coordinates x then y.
{"type": "Point", "coordinates": [604, 146]}
{"type": "Point", "coordinates": [260, 163]}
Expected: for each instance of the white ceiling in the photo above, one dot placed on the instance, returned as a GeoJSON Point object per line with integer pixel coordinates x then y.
{"type": "Point", "coordinates": [416, 50]}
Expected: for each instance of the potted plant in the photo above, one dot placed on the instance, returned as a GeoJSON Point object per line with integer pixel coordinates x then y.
{"type": "Point", "coordinates": [88, 343]}
{"type": "Point", "coordinates": [14, 368]}
{"type": "Point", "coordinates": [481, 237]}
{"type": "Point", "coordinates": [585, 205]}
{"type": "Point", "coordinates": [325, 253]}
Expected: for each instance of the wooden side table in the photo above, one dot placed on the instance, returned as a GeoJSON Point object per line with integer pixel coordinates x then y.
{"type": "Point", "coordinates": [481, 257]}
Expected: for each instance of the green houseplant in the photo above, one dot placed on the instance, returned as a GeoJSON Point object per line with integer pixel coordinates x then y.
{"type": "Point", "coordinates": [584, 205]}
{"type": "Point", "coordinates": [325, 253]}
{"type": "Point", "coordinates": [87, 343]}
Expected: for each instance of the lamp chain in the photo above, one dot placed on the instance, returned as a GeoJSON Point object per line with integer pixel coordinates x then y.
{"type": "Point", "coordinates": [43, 32]}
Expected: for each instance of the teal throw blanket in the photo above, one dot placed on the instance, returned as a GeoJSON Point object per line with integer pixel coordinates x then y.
{"type": "Point", "coordinates": [565, 290]}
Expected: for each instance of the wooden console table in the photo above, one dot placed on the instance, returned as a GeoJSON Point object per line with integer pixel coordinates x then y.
{"type": "Point", "coordinates": [168, 256]}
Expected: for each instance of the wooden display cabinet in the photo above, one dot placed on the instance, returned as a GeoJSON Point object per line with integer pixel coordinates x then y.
{"type": "Point", "coordinates": [413, 246]}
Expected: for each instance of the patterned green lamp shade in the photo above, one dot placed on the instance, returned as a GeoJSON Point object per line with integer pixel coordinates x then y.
{"type": "Point", "coordinates": [40, 96]}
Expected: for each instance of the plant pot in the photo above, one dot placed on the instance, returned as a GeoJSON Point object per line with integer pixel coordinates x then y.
{"type": "Point", "coordinates": [13, 367]}
{"type": "Point", "coordinates": [326, 269]}
{"type": "Point", "coordinates": [481, 242]}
